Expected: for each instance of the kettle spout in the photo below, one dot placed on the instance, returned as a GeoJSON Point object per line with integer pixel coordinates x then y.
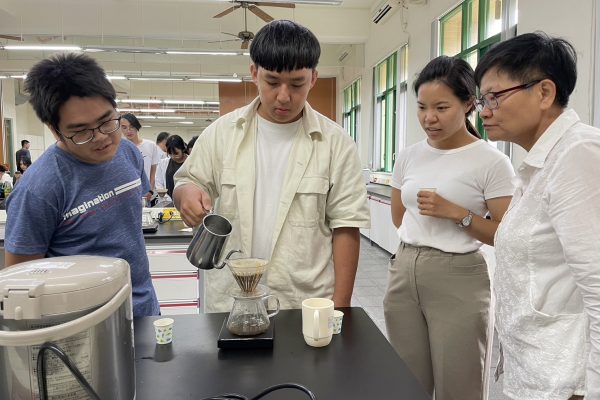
{"type": "Point", "coordinates": [226, 258]}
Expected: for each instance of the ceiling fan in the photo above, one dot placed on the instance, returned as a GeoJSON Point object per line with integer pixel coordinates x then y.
{"type": "Point", "coordinates": [245, 35]}
{"type": "Point", "coordinates": [253, 7]}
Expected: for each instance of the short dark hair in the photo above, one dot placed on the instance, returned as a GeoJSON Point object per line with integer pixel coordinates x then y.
{"type": "Point", "coordinates": [3, 168]}
{"type": "Point", "coordinates": [176, 142]}
{"type": "Point", "coordinates": [283, 45]}
{"type": "Point", "coordinates": [455, 73]}
{"type": "Point", "coordinates": [532, 56]}
{"type": "Point", "coordinates": [191, 143]}
{"type": "Point", "coordinates": [24, 142]}
{"type": "Point", "coordinates": [26, 161]}
{"type": "Point", "coordinates": [162, 137]}
{"type": "Point", "coordinates": [53, 81]}
{"type": "Point", "coordinates": [132, 120]}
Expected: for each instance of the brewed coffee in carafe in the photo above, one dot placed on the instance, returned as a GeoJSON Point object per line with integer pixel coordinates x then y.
{"type": "Point", "coordinates": [249, 316]}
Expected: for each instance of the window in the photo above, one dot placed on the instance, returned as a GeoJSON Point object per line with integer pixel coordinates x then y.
{"type": "Point", "coordinates": [351, 112]}
{"type": "Point", "coordinates": [469, 30]}
{"type": "Point", "coordinates": [390, 90]}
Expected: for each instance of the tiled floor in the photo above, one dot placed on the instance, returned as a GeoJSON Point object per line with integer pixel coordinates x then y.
{"type": "Point", "coordinates": [370, 286]}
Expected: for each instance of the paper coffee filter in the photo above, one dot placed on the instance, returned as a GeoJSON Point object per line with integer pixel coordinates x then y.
{"type": "Point", "coordinates": [247, 272]}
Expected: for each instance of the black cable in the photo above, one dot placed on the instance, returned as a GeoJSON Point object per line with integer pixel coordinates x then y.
{"type": "Point", "coordinates": [234, 396]}
{"type": "Point", "coordinates": [41, 370]}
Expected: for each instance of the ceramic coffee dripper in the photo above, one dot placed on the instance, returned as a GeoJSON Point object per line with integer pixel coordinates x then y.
{"type": "Point", "coordinates": [204, 251]}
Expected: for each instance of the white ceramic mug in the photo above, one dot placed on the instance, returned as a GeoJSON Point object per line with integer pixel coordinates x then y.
{"type": "Point", "coordinates": [317, 321]}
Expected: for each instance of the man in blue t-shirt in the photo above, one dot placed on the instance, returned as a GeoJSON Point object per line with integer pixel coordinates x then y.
{"type": "Point", "coordinates": [83, 195]}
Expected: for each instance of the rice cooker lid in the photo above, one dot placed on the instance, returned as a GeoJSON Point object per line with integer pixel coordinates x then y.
{"type": "Point", "coordinates": [59, 285]}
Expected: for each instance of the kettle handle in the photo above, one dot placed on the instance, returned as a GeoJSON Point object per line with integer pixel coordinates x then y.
{"type": "Point", "coordinates": [266, 299]}
{"type": "Point", "coordinates": [61, 331]}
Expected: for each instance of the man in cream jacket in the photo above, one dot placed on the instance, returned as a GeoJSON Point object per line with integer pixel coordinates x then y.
{"type": "Point", "coordinates": [287, 178]}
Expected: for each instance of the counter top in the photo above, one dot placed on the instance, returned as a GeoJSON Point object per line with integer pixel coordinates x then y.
{"type": "Point", "coordinates": [170, 229]}
{"type": "Point", "coordinates": [379, 190]}
{"type": "Point", "coordinates": [358, 364]}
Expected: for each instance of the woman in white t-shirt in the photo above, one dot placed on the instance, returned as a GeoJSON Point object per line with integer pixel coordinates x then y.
{"type": "Point", "coordinates": [437, 303]}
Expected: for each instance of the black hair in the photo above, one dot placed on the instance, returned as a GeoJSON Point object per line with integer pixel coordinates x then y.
{"type": "Point", "coordinates": [162, 136]}
{"type": "Point", "coordinates": [283, 45]}
{"type": "Point", "coordinates": [532, 56]}
{"type": "Point", "coordinates": [24, 142]}
{"type": "Point", "coordinates": [191, 143]}
{"type": "Point", "coordinates": [26, 161]}
{"type": "Point", "coordinates": [3, 168]}
{"type": "Point", "coordinates": [132, 120]}
{"type": "Point", "coordinates": [53, 81]}
{"type": "Point", "coordinates": [455, 73]}
{"type": "Point", "coordinates": [175, 142]}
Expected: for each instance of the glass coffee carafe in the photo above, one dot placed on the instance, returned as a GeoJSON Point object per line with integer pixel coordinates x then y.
{"type": "Point", "coordinates": [249, 315]}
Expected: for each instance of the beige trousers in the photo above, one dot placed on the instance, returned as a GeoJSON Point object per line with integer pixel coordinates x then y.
{"type": "Point", "coordinates": [436, 313]}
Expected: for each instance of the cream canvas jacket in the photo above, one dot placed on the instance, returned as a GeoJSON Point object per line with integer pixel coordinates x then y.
{"type": "Point", "coordinates": [322, 190]}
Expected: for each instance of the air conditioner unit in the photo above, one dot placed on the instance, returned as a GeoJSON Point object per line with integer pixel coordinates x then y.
{"type": "Point", "coordinates": [384, 10]}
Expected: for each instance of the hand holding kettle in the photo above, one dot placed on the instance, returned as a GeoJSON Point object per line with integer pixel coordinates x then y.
{"type": "Point", "coordinates": [192, 202]}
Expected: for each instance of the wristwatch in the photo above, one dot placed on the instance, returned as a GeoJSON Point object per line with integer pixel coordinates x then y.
{"type": "Point", "coordinates": [466, 221]}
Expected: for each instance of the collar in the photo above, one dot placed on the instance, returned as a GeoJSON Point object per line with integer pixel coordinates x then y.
{"type": "Point", "coordinates": [310, 118]}
{"type": "Point", "coordinates": [536, 157]}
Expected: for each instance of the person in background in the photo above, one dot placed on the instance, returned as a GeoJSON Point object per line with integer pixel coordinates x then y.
{"type": "Point", "coordinates": [130, 126]}
{"type": "Point", "coordinates": [288, 179]}
{"type": "Point", "coordinates": [5, 175]}
{"type": "Point", "coordinates": [191, 143]}
{"type": "Point", "coordinates": [161, 142]}
{"type": "Point", "coordinates": [24, 164]}
{"type": "Point", "coordinates": [21, 153]}
{"type": "Point", "coordinates": [16, 178]}
{"type": "Point", "coordinates": [83, 194]}
{"type": "Point", "coordinates": [177, 151]}
{"type": "Point", "coordinates": [437, 303]}
{"type": "Point", "coordinates": [547, 280]}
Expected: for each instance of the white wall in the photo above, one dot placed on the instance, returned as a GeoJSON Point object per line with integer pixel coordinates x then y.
{"type": "Point", "coordinates": [574, 22]}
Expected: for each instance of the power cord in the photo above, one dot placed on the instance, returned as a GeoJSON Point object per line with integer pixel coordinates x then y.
{"type": "Point", "coordinates": [62, 356]}
{"type": "Point", "coordinates": [235, 396]}
{"type": "Point", "coordinates": [43, 385]}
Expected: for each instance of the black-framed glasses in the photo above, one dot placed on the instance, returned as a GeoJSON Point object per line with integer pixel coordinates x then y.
{"type": "Point", "coordinates": [84, 136]}
{"type": "Point", "coordinates": [490, 99]}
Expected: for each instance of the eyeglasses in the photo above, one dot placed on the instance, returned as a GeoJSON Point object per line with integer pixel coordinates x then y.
{"type": "Point", "coordinates": [86, 135]}
{"type": "Point", "coordinates": [490, 99]}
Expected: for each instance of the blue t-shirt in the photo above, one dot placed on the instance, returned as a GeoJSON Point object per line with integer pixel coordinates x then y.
{"type": "Point", "coordinates": [63, 206]}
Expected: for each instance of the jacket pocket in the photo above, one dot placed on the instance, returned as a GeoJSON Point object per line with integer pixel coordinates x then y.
{"type": "Point", "coordinates": [308, 206]}
{"type": "Point", "coordinates": [228, 195]}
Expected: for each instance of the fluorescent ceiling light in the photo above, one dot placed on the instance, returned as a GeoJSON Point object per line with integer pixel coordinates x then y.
{"type": "Point", "coordinates": [19, 76]}
{"type": "Point", "coordinates": [142, 101]}
{"type": "Point", "coordinates": [205, 52]}
{"type": "Point", "coordinates": [197, 102]}
{"type": "Point", "coordinates": [148, 110]}
{"type": "Point", "coordinates": [3, 76]}
{"type": "Point", "coordinates": [171, 117]}
{"type": "Point", "coordinates": [155, 78]}
{"type": "Point", "coordinates": [146, 126]}
{"type": "Point", "coordinates": [215, 79]}
{"type": "Point", "coordinates": [115, 77]}
{"type": "Point", "coordinates": [146, 117]}
{"type": "Point", "coordinates": [41, 47]}
{"type": "Point", "coordinates": [186, 122]}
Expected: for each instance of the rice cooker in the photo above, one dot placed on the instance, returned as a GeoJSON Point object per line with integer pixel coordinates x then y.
{"type": "Point", "coordinates": [67, 323]}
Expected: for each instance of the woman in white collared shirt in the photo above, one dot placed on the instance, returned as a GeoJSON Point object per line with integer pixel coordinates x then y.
{"type": "Point", "coordinates": [547, 280]}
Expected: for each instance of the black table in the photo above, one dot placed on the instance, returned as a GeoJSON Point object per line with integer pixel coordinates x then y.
{"type": "Point", "coordinates": [169, 233]}
{"type": "Point", "coordinates": [358, 364]}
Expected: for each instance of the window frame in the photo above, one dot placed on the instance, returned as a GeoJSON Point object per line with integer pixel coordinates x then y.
{"type": "Point", "coordinates": [351, 109]}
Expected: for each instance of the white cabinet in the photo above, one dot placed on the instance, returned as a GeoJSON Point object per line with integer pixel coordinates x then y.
{"type": "Point", "coordinates": [383, 232]}
{"type": "Point", "coordinates": [176, 281]}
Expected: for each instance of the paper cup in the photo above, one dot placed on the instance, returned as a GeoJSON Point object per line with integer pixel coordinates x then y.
{"type": "Point", "coordinates": [338, 316]}
{"type": "Point", "coordinates": [163, 329]}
